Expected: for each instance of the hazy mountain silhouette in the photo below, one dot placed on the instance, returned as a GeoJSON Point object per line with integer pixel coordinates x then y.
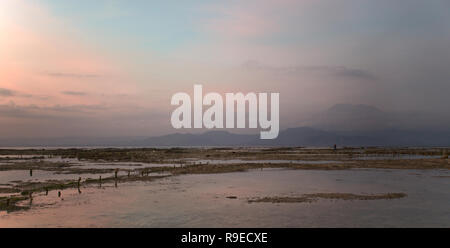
{"type": "Point", "coordinates": [301, 136]}
{"type": "Point", "coordinates": [342, 124]}
{"type": "Point", "coordinates": [349, 117]}
{"type": "Point", "coordinates": [362, 118]}
{"type": "Point", "coordinates": [212, 138]}
{"type": "Point", "coordinates": [306, 136]}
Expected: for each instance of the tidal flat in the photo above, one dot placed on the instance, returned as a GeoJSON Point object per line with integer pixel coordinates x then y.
{"type": "Point", "coordinates": [225, 187]}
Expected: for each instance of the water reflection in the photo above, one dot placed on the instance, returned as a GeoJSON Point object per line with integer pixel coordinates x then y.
{"type": "Point", "coordinates": [204, 201]}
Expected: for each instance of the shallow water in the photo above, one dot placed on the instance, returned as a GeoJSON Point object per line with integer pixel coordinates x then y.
{"type": "Point", "coordinates": [266, 161]}
{"type": "Point", "coordinates": [200, 201]}
{"type": "Point", "coordinates": [394, 157]}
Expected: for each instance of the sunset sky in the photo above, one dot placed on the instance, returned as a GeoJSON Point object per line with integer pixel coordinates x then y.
{"type": "Point", "coordinates": [109, 68]}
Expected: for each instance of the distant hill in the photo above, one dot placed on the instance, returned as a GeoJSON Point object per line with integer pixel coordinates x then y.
{"type": "Point", "coordinates": [342, 124]}
{"type": "Point", "coordinates": [301, 136]}
{"type": "Point", "coordinates": [212, 138]}
{"type": "Point", "coordinates": [349, 117]}
{"type": "Point", "coordinates": [306, 136]}
{"type": "Point", "coordinates": [360, 118]}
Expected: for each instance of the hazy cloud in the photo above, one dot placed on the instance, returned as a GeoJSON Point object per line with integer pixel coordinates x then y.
{"type": "Point", "coordinates": [80, 120]}
{"type": "Point", "coordinates": [336, 71]}
{"type": "Point", "coordinates": [356, 74]}
{"type": "Point", "coordinates": [12, 93]}
{"type": "Point", "coordinates": [74, 93]}
{"type": "Point", "coordinates": [26, 112]}
{"type": "Point", "coordinates": [79, 108]}
{"type": "Point", "coordinates": [389, 54]}
{"type": "Point", "coordinates": [33, 111]}
{"type": "Point", "coordinates": [6, 92]}
{"type": "Point", "coordinates": [71, 75]}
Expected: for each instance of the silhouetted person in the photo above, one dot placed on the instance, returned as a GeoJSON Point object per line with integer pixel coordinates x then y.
{"type": "Point", "coordinates": [31, 172]}
{"type": "Point", "coordinates": [79, 181]}
{"type": "Point", "coordinates": [59, 193]}
{"type": "Point", "coordinates": [115, 172]}
{"type": "Point", "coordinates": [335, 147]}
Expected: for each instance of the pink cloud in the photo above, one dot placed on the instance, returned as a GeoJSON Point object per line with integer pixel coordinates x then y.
{"type": "Point", "coordinates": [36, 48]}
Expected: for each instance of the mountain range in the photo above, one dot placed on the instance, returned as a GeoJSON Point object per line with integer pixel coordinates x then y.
{"type": "Point", "coordinates": [342, 124]}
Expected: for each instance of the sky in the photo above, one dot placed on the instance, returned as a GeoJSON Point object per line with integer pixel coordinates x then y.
{"type": "Point", "coordinates": [110, 67]}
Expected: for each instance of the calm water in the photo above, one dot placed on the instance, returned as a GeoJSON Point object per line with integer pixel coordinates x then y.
{"type": "Point", "coordinates": [200, 201]}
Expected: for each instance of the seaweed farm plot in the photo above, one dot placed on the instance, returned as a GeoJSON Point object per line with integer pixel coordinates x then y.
{"type": "Point", "coordinates": [224, 187]}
